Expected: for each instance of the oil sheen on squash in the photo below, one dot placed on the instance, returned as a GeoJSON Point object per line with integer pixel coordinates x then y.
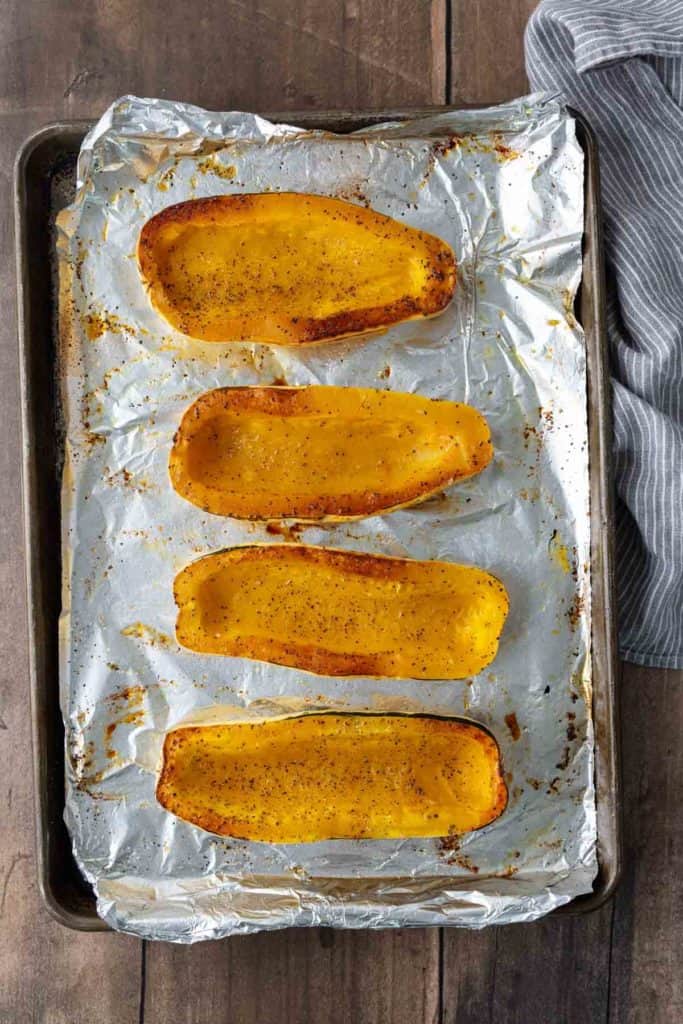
{"type": "Point", "coordinates": [339, 613]}
{"type": "Point", "coordinates": [288, 268]}
{"type": "Point", "coordinates": [321, 452]}
{"type": "Point", "coordinates": [333, 776]}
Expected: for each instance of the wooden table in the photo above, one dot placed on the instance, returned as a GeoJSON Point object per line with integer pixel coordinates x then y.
{"type": "Point", "coordinates": [70, 58]}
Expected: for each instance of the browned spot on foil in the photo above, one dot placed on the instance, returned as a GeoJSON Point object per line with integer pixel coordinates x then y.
{"type": "Point", "coordinates": [97, 324]}
{"type": "Point", "coordinates": [568, 306]}
{"type": "Point", "coordinates": [449, 844]}
{"type": "Point", "coordinates": [81, 760]}
{"type": "Point", "coordinates": [212, 165]}
{"type": "Point", "coordinates": [81, 253]}
{"type": "Point", "coordinates": [513, 725]}
{"type": "Point", "coordinates": [124, 478]}
{"type": "Point", "coordinates": [530, 434]}
{"type": "Point", "coordinates": [464, 862]}
{"type": "Point", "coordinates": [571, 728]}
{"type": "Point", "coordinates": [148, 634]}
{"type": "Point", "coordinates": [288, 533]}
{"type": "Point", "coordinates": [575, 610]}
{"type": "Point", "coordinates": [131, 695]}
{"type": "Point", "coordinates": [442, 147]}
{"type": "Point", "coordinates": [449, 850]}
{"type": "Point", "coordinates": [132, 718]}
{"type": "Point", "coordinates": [354, 193]}
{"type": "Point", "coordinates": [502, 151]}
{"type": "Point", "coordinates": [563, 764]}
{"type": "Point", "coordinates": [91, 439]}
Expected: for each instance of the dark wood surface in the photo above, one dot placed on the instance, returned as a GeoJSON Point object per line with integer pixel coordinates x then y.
{"type": "Point", "coordinates": [623, 964]}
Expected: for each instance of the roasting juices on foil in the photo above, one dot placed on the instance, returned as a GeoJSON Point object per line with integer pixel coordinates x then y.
{"type": "Point", "coordinates": [325, 635]}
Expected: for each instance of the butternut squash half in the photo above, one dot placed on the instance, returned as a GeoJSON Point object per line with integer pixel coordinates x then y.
{"type": "Point", "coordinates": [321, 452]}
{"type": "Point", "coordinates": [340, 612]}
{"type": "Point", "coordinates": [288, 268]}
{"type": "Point", "coordinates": [333, 776]}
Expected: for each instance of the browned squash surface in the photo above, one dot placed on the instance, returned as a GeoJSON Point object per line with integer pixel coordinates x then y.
{"type": "Point", "coordinates": [340, 612]}
{"type": "Point", "coordinates": [289, 268]}
{"type": "Point", "coordinates": [322, 452]}
{"type": "Point", "coordinates": [334, 776]}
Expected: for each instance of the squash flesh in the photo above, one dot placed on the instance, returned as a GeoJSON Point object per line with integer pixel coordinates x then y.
{"type": "Point", "coordinates": [338, 612]}
{"type": "Point", "coordinates": [333, 776]}
{"type": "Point", "coordinates": [289, 268]}
{"type": "Point", "coordinates": [321, 452]}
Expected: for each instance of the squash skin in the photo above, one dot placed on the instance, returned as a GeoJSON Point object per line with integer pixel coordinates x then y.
{"type": "Point", "coordinates": [341, 613]}
{"type": "Point", "coordinates": [289, 268]}
{"type": "Point", "coordinates": [320, 452]}
{"type": "Point", "coordinates": [313, 777]}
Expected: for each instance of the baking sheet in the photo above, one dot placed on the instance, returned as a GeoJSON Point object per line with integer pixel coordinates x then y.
{"type": "Point", "coordinates": [504, 187]}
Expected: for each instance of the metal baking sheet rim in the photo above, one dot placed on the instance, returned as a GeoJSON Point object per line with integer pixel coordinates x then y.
{"type": "Point", "coordinates": [66, 137]}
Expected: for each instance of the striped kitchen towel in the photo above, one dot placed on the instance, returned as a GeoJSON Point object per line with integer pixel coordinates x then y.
{"type": "Point", "coordinates": [621, 65]}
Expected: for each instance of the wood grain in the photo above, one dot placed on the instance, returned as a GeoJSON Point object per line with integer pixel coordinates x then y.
{"type": "Point", "coordinates": [647, 953]}
{"type": "Point", "coordinates": [487, 50]}
{"type": "Point", "coordinates": [553, 970]}
{"type": "Point", "coordinates": [622, 965]}
{"type": "Point", "coordinates": [297, 976]}
{"type": "Point", "coordinates": [74, 58]}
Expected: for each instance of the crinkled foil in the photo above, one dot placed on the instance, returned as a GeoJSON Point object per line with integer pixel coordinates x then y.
{"type": "Point", "coordinates": [505, 188]}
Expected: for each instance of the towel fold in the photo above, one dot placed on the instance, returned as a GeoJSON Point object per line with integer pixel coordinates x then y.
{"type": "Point", "coordinates": [621, 65]}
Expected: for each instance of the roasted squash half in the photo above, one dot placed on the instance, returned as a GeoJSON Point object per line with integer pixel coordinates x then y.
{"type": "Point", "coordinates": [334, 776]}
{"type": "Point", "coordinates": [321, 452]}
{"type": "Point", "coordinates": [340, 612]}
{"type": "Point", "coordinates": [288, 268]}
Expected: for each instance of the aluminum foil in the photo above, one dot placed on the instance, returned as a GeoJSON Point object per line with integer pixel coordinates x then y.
{"type": "Point", "coordinates": [505, 188]}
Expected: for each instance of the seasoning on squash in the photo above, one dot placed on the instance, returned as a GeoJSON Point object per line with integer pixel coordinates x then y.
{"type": "Point", "coordinates": [322, 452]}
{"type": "Point", "coordinates": [288, 268]}
{"type": "Point", "coordinates": [333, 776]}
{"type": "Point", "coordinates": [339, 613]}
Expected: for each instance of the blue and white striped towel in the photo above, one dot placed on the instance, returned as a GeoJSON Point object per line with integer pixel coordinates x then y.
{"type": "Point", "coordinates": [621, 65]}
